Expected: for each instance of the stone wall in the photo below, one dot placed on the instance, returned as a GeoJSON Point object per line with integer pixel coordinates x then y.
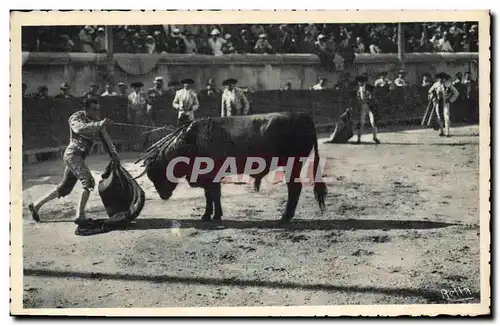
{"type": "Point", "coordinates": [257, 72]}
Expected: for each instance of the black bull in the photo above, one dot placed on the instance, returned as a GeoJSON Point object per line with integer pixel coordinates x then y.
{"type": "Point", "coordinates": [280, 135]}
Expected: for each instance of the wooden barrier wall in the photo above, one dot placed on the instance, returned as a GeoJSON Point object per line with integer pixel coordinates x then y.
{"type": "Point", "coordinates": [45, 122]}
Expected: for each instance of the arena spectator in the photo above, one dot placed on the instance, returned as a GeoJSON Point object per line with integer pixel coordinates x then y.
{"type": "Point", "coordinates": [326, 57]}
{"type": "Point", "coordinates": [444, 44]}
{"type": "Point", "coordinates": [93, 91]}
{"type": "Point", "coordinates": [288, 86]}
{"type": "Point", "coordinates": [400, 80]}
{"type": "Point", "coordinates": [43, 92]}
{"type": "Point", "coordinates": [426, 80]}
{"type": "Point", "coordinates": [64, 91]}
{"type": "Point", "coordinates": [216, 43]}
{"type": "Point", "coordinates": [176, 43]}
{"type": "Point", "coordinates": [320, 85]}
{"type": "Point", "coordinates": [374, 48]}
{"type": "Point", "coordinates": [191, 47]}
{"type": "Point", "coordinates": [360, 47]}
{"type": "Point", "coordinates": [285, 38]}
{"type": "Point", "coordinates": [262, 45]}
{"type": "Point", "coordinates": [100, 41]}
{"type": "Point", "coordinates": [109, 90]}
{"type": "Point", "coordinates": [160, 42]}
{"type": "Point", "coordinates": [150, 46]}
{"type": "Point", "coordinates": [86, 40]}
{"type": "Point", "coordinates": [245, 43]}
{"type": "Point", "coordinates": [67, 44]}
{"type": "Point", "coordinates": [122, 89]}
{"type": "Point", "coordinates": [458, 79]}
{"type": "Point", "coordinates": [228, 46]}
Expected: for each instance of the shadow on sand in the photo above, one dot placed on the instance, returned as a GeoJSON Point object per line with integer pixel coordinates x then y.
{"type": "Point", "coordinates": [320, 225]}
{"type": "Point", "coordinates": [432, 296]}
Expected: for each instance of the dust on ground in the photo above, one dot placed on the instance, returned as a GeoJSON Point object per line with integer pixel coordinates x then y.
{"type": "Point", "coordinates": [401, 225]}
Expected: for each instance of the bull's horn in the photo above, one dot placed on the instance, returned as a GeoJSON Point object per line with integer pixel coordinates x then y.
{"type": "Point", "coordinates": [143, 173]}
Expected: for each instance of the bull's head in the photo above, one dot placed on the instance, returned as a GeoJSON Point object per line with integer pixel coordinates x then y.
{"type": "Point", "coordinates": [164, 170]}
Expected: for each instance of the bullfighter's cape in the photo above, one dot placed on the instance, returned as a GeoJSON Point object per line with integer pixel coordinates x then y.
{"type": "Point", "coordinates": [121, 196]}
{"type": "Point", "coordinates": [343, 129]}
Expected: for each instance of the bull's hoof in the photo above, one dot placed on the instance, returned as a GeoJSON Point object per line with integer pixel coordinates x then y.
{"type": "Point", "coordinates": [285, 219]}
{"type": "Point", "coordinates": [205, 217]}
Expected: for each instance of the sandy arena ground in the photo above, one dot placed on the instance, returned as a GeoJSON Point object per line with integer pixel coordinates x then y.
{"type": "Point", "coordinates": [402, 223]}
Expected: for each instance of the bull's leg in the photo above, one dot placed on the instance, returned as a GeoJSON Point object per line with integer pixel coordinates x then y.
{"type": "Point", "coordinates": [209, 204]}
{"type": "Point", "coordinates": [294, 190]}
{"type": "Point", "coordinates": [216, 195]}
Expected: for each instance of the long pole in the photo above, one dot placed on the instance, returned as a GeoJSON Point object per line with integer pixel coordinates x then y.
{"type": "Point", "coordinates": [401, 45]}
{"type": "Point", "coordinates": [109, 54]}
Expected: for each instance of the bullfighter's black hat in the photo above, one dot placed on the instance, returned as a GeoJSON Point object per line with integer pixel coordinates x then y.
{"type": "Point", "coordinates": [229, 81]}
{"type": "Point", "coordinates": [137, 84]}
{"type": "Point", "coordinates": [361, 79]}
{"type": "Point", "coordinates": [89, 99]}
{"type": "Point", "coordinates": [383, 73]}
{"type": "Point", "coordinates": [442, 75]}
{"type": "Point", "coordinates": [187, 81]}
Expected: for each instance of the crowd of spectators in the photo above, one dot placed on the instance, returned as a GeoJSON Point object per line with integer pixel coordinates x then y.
{"type": "Point", "coordinates": [344, 39]}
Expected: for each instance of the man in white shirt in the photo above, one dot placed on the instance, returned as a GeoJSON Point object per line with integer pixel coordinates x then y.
{"type": "Point", "coordinates": [137, 104]}
{"type": "Point", "coordinates": [216, 42]}
{"type": "Point", "coordinates": [400, 80]}
{"type": "Point", "coordinates": [383, 81]}
{"type": "Point", "coordinates": [320, 85]}
{"type": "Point", "coordinates": [108, 90]}
{"type": "Point", "coordinates": [234, 100]}
{"type": "Point", "coordinates": [444, 44]}
{"type": "Point", "coordinates": [364, 94]}
{"type": "Point", "coordinates": [442, 94]}
{"type": "Point", "coordinates": [186, 102]}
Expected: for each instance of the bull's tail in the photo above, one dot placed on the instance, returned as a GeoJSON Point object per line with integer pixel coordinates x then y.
{"type": "Point", "coordinates": [320, 190]}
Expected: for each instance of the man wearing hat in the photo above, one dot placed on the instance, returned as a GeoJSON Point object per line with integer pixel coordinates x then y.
{"type": "Point", "coordinates": [137, 104]}
{"type": "Point", "coordinates": [109, 90]}
{"type": "Point", "coordinates": [85, 127]}
{"type": "Point", "coordinates": [364, 95]}
{"type": "Point", "coordinates": [234, 100]}
{"type": "Point", "coordinates": [471, 93]}
{"type": "Point", "coordinates": [216, 42]}
{"type": "Point", "coordinates": [43, 92]}
{"type": "Point", "coordinates": [211, 97]}
{"type": "Point", "coordinates": [186, 102]}
{"type": "Point", "coordinates": [400, 80]}
{"type": "Point", "coordinates": [153, 96]}
{"type": "Point", "coordinates": [320, 85]}
{"type": "Point", "coordinates": [122, 89]}
{"type": "Point", "coordinates": [173, 87]}
{"type": "Point", "coordinates": [176, 43]}
{"type": "Point", "coordinates": [93, 91]}
{"type": "Point", "coordinates": [262, 45]}
{"type": "Point", "coordinates": [383, 81]}
{"type": "Point", "coordinates": [442, 94]}
{"type": "Point", "coordinates": [64, 91]}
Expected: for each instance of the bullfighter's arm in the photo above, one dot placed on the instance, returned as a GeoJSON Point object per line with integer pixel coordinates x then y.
{"type": "Point", "coordinates": [246, 104]}
{"type": "Point", "coordinates": [223, 105]}
{"type": "Point", "coordinates": [196, 103]}
{"type": "Point", "coordinates": [455, 94]}
{"type": "Point", "coordinates": [177, 101]}
{"type": "Point", "coordinates": [79, 126]}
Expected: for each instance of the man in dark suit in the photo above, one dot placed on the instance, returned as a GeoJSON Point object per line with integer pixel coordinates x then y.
{"type": "Point", "coordinates": [64, 91]}
{"type": "Point", "coordinates": [364, 95]}
{"type": "Point", "coordinates": [471, 94]}
{"type": "Point", "coordinates": [210, 98]}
